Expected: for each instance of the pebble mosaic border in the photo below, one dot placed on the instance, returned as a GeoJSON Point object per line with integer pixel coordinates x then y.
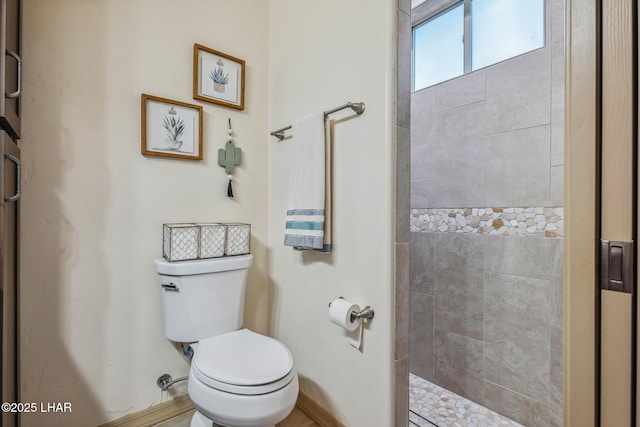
{"type": "Point", "coordinates": [529, 221]}
{"type": "Point", "coordinates": [444, 408]}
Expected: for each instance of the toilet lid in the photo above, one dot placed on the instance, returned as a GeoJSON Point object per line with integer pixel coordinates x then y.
{"type": "Point", "coordinates": [242, 358]}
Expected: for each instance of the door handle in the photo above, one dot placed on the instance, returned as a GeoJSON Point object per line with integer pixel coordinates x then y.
{"type": "Point", "coordinates": [16, 196]}
{"type": "Point", "coordinates": [616, 266]}
{"type": "Point", "coordinates": [15, 56]}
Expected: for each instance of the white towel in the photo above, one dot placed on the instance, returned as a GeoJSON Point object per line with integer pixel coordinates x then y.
{"type": "Point", "coordinates": [305, 222]}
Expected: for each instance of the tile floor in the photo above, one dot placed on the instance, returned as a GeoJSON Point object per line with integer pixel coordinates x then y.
{"type": "Point", "coordinates": [431, 405]}
{"type": "Point", "coordinates": [179, 421]}
{"type": "Point", "coordinates": [297, 418]}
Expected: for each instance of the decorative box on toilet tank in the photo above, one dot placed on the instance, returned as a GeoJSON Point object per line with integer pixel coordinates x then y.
{"type": "Point", "coordinates": [180, 242]}
{"type": "Point", "coordinates": [238, 239]}
{"type": "Point", "coordinates": [213, 239]}
{"type": "Point", "coordinates": [189, 241]}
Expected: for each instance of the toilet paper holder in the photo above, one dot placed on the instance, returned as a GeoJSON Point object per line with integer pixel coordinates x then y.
{"type": "Point", "coordinates": [365, 313]}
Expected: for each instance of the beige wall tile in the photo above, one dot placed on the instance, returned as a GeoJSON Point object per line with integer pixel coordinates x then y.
{"type": "Point", "coordinates": [518, 256]}
{"type": "Point", "coordinates": [518, 92]}
{"type": "Point", "coordinates": [402, 392]}
{"type": "Point", "coordinates": [515, 406]}
{"type": "Point", "coordinates": [403, 95]}
{"type": "Point", "coordinates": [459, 284]}
{"type": "Point", "coordinates": [423, 192]}
{"type": "Point", "coordinates": [458, 364]}
{"type": "Point", "coordinates": [556, 281]}
{"type": "Point", "coordinates": [422, 265]}
{"type": "Point", "coordinates": [402, 300]}
{"type": "Point", "coordinates": [555, 391]}
{"type": "Point", "coordinates": [516, 334]}
{"type": "Point", "coordinates": [517, 168]}
{"type": "Point", "coordinates": [557, 185]}
{"type": "Point", "coordinates": [403, 181]}
{"type": "Point", "coordinates": [464, 90]}
{"type": "Point", "coordinates": [421, 344]}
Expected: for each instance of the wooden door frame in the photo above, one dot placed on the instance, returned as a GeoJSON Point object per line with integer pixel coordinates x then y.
{"type": "Point", "coordinates": [580, 397]}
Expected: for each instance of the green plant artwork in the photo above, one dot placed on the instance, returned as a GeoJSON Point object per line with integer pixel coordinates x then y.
{"type": "Point", "coordinates": [220, 79]}
{"type": "Point", "coordinates": [218, 76]}
{"type": "Point", "coordinates": [174, 128]}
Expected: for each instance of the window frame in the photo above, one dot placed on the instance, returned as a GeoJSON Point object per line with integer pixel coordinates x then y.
{"type": "Point", "coordinates": [431, 9]}
{"type": "Point", "coordinates": [447, 6]}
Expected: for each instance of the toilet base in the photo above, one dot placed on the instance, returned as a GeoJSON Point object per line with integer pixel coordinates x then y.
{"type": "Point", "coordinates": [235, 410]}
{"type": "Point", "coordinates": [199, 420]}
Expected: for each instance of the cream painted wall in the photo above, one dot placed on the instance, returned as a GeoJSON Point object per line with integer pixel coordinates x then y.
{"type": "Point", "coordinates": [323, 54]}
{"type": "Point", "coordinates": [93, 207]}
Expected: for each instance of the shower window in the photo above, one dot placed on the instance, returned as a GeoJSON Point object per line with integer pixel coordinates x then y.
{"type": "Point", "coordinates": [439, 42]}
{"type": "Point", "coordinates": [502, 29]}
{"type": "Point", "coordinates": [451, 38]}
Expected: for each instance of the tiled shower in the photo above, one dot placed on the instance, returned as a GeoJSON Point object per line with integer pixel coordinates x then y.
{"type": "Point", "coordinates": [486, 242]}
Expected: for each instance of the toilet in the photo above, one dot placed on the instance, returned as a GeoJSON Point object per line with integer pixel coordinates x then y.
{"type": "Point", "coordinates": [238, 378]}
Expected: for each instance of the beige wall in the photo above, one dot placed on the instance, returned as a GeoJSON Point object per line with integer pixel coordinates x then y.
{"type": "Point", "coordinates": [322, 55]}
{"type": "Point", "coordinates": [93, 207]}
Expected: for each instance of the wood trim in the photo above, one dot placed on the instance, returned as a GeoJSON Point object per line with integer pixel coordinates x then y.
{"type": "Point", "coordinates": [580, 216]}
{"type": "Point", "coordinates": [178, 406]}
{"type": "Point", "coordinates": [155, 414]}
{"type": "Point", "coordinates": [617, 122]}
{"type": "Point", "coordinates": [317, 413]}
{"type": "Point", "coordinates": [617, 206]}
{"type": "Point", "coordinates": [616, 352]}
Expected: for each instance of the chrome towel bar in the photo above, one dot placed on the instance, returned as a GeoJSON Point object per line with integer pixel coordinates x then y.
{"type": "Point", "coordinates": [357, 107]}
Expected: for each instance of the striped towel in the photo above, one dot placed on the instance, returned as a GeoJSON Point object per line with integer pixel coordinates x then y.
{"type": "Point", "coordinates": [307, 219]}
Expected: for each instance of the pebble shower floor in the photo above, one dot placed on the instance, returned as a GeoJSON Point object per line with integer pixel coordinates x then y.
{"type": "Point", "coordinates": [431, 405]}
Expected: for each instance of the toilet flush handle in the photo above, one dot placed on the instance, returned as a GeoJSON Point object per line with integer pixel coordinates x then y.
{"type": "Point", "coordinates": [170, 287]}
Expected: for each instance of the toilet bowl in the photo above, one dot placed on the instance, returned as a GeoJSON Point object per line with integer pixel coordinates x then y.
{"type": "Point", "coordinates": [238, 378]}
{"type": "Point", "coordinates": [242, 379]}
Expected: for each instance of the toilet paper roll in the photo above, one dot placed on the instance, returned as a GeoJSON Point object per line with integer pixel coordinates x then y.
{"type": "Point", "coordinates": [340, 314]}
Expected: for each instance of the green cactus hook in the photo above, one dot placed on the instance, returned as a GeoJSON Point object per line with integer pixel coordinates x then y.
{"type": "Point", "coordinates": [229, 157]}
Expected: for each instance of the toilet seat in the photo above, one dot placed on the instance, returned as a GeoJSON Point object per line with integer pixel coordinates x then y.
{"type": "Point", "coordinates": [243, 362]}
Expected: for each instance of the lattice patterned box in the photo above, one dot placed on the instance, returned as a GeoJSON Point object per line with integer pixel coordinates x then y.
{"type": "Point", "coordinates": [212, 240]}
{"type": "Point", "coordinates": [180, 242]}
{"type": "Point", "coordinates": [238, 238]}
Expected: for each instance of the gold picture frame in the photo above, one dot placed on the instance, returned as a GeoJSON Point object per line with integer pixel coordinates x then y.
{"type": "Point", "coordinates": [171, 128]}
{"type": "Point", "coordinates": [218, 78]}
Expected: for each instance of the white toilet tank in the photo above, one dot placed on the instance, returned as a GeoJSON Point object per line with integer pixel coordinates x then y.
{"type": "Point", "coordinates": [202, 298]}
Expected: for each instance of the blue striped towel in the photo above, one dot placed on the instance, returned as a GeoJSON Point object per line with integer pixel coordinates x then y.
{"type": "Point", "coordinates": [305, 222]}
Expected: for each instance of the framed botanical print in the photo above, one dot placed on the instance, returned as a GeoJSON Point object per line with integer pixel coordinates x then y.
{"type": "Point", "coordinates": [218, 78]}
{"type": "Point", "coordinates": [171, 128]}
